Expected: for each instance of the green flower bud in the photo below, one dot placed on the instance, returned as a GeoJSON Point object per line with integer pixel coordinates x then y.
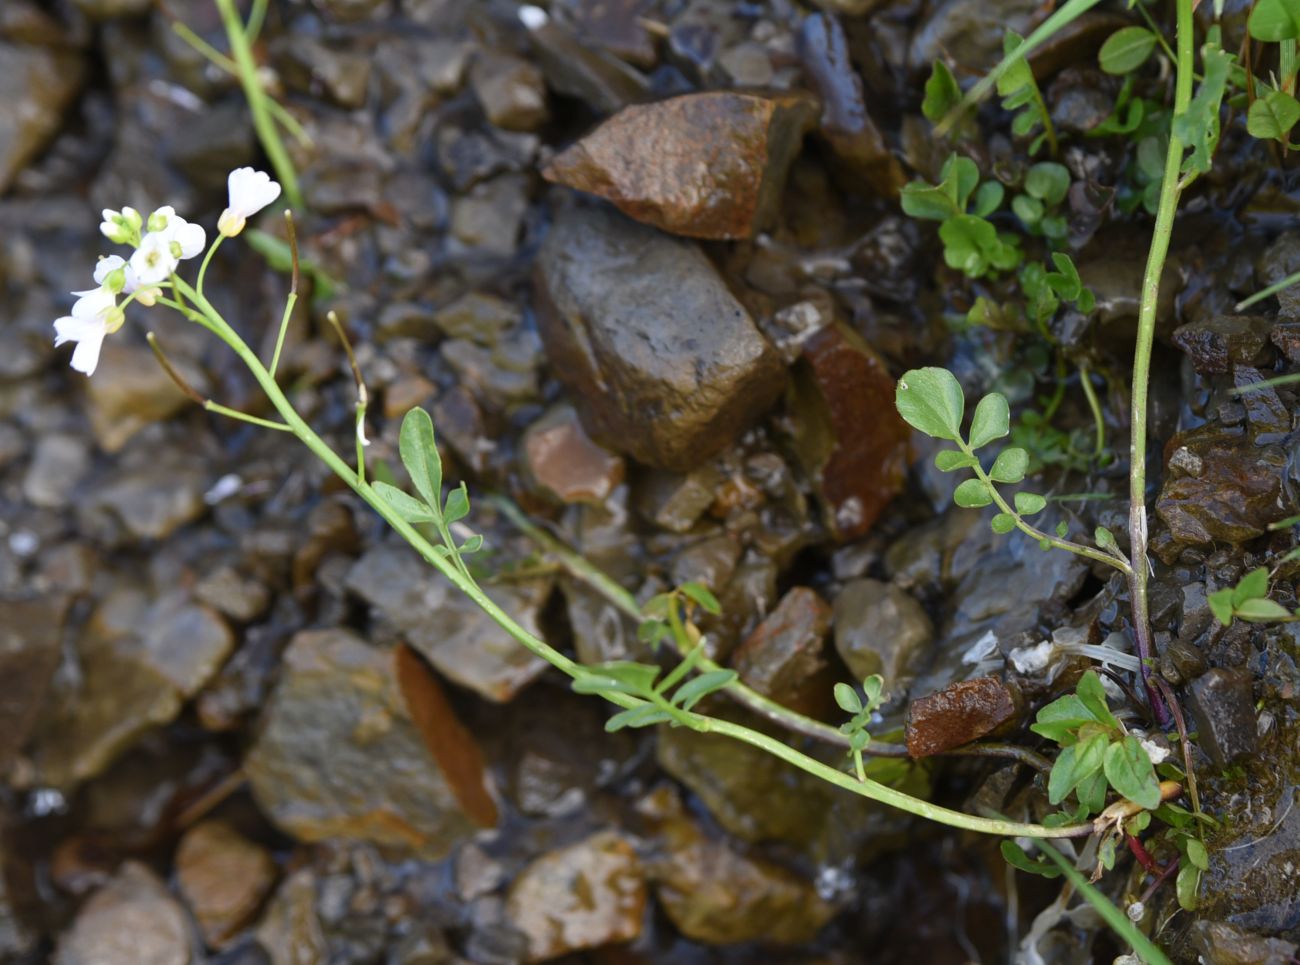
{"type": "Point", "coordinates": [116, 280]}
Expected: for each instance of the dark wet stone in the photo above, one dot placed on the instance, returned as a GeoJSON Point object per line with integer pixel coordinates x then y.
{"type": "Point", "coordinates": [1223, 704]}
{"type": "Point", "coordinates": [710, 561]}
{"type": "Point", "coordinates": [1216, 344]}
{"type": "Point", "coordinates": [617, 26]}
{"type": "Point", "coordinates": [224, 878]}
{"type": "Point", "coordinates": [587, 895]}
{"type": "Point", "coordinates": [130, 390]}
{"type": "Point", "coordinates": [718, 168]}
{"type": "Point", "coordinates": [470, 156]}
{"type": "Point", "coordinates": [785, 656]}
{"type": "Point", "coordinates": [339, 755]}
{"type": "Point", "coordinates": [37, 84]}
{"type": "Point", "coordinates": [600, 630]}
{"type": "Point", "coordinates": [510, 90]}
{"type": "Point", "coordinates": [349, 11]}
{"type": "Point", "coordinates": [490, 216]}
{"type": "Point", "coordinates": [238, 597]}
{"type": "Point", "coordinates": [498, 376]}
{"type": "Point", "coordinates": [717, 895]}
{"type": "Point", "coordinates": [845, 124]}
{"type": "Point", "coordinates": [31, 638]}
{"type": "Point", "coordinates": [1266, 416]}
{"type": "Point", "coordinates": [461, 641]}
{"type": "Point", "coordinates": [573, 68]}
{"type": "Point", "coordinates": [849, 437]}
{"type": "Point", "coordinates": [149, 500]}
{"type": "Point", "coordinates": [130, 921]}
{"type": "Point", "coordinates": [1219, 943]}
{"type": "Point", "coordinates": [1286, 336]}
{"type": "Point", "coordinates": [881, 629]}
{"type": "Point", "coordinates": [478, 317]}
{"type": "Point", "coordinates": [675, 501]}
{"type": "Point", "coordinates": [405, 394]}
{"type": "Point", "coordinates": [968, 33]}
{"type": "Point", "coordinates": [58, 465]}
{"type": "Point", "coordinates": [1280, 259]}
{"type": "Point", "coordinates": [960, 713]}
{"type": "Point", "coordinates": [563, 461]}
{"type": "Point", "coordinates": [140, 659]}
{"type": "Point", "coordinates": [314, 68]}
{"type": "Point", "coordinates": [1220, 485]}
{"type": "Point", "coordinates": [666, 363]}
{"type": "Point", "coordinates": [1113, 268]}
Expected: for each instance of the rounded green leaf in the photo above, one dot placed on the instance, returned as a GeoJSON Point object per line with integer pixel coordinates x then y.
{"type": "Point", "coordinates": [987, 198]}
{"type": "Point", "coordinates": [1010, 465]}
{"type": "Point", "coordinates": [1029, 503]}
{"type": "Point", "coordinates": [419, 452]}
{"type": "Point", "coordinates": [1129, 770]}
{"type": "Point", "coordinates": [972, 494]}
{"type": "Point", "coordinates": [1126, 50]}
{"type": "Point", "coordinates": [1048, 181]}
{"type": "Point", "coordinates": [1197, 854]}
{"type": "Point", "coordinates": [1273, 20]}
{"type": "Point", "coordinates": [1273, 115]}
{"type": "Point", "coordinates": [992, 420]}
{"type": "Point", "coordinates": [930, 400]}
{"type": "Point", "coordinates": [1262, 611]}
{"type": "Point", "coordinates": [848, 699]}
{"type": "Point", "coordinates": [950, 459]}
{"type": "Point", "coordinates": [1187, 885]}
{"type": "Point", "coordinates": [1002, 523]}
{"type": "Point", "coordinates": [1105, 539]}
{"type": "Point", "coordinates": [1027, 209]}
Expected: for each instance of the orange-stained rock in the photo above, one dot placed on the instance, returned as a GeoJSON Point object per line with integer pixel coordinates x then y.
{"type": "Point", "coordinates": [707, 165]}
{"type": "Point", "coordinates": [785, 657]}
{"type": "Point", "coordinates": [223, 877]}
{"type": "Point", "coordinates": [850, 437]}
{"type": "Point", "coordinates": [958, 714]}
{"type": "Point", "coordinates": [564, 461]}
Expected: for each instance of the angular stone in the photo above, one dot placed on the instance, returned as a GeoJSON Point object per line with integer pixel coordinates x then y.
{"type": "Point", "coordinates": [140, 660]}
{"type": "Point", "coordinates": [340, 757]}
{"type": "Point", "coordinates": [1220, 485]}
{"type": "Point", "coordinates": [1216, 344]}
{"type": "Point", "coordinates": [845, 123]}
{"type": "Point", "coordinates": [223, 877]}
{"type": "Point", "coordinates": [589, 894]}
{"type": "Point", "coordinates": [785, 657]}
{"type": "Point", "coordinates": [666, 363]}
{"type": "Point", "coordinates": [881, 629]}
{"type": "Point", "coordinates": [37, 84]}
{"type": "Point", "coordinates": [478, 317]}
{"type": "Point", "coordinates": [717, 168]}
{"type": "Point", "coordinates": [849, 436]}
{"type": "Point", "coordinates": [130, 921]}
{"type": "Point", "coordinates": [1223, 703]}
{"type": "Point", "coordinates": [676, 501]}
{"type": "Point", "coordinates": [573, 68]}
{"type": "Point", "coordinates": [565, 463]}
{"type": "Point", "coordinates": [462, 642]}
{"type": "Point", "coordinates": [958, 714]}
{"type": "Point", "coordinates": [1219, 943]}
{"type": "Point", "coordinates": [717, 895]}
{"type": "Point", "coordinates": [31, 633]}
{"type": "Point", "coordinates": [58, 465]}
{"type": "Point", "coordinates": [510, 89]}
{"type": "Point", "coordinates": [130, 390]}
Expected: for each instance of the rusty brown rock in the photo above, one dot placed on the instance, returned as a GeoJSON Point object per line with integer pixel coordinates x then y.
{"type": "Point", "coordinates": [784, 658]}
{"type": "Point", "coordinates": [564, 461]}
{"type": "Point", "coordinates": [223, 877]}
{"type": "Point", "coordinates": [958, 714]}
{"type": "Point", "coordinates": [708, 165]}
{"type": "Point", "coordinates": [666, 363]}
{"type": "Point", "coordinates": [850, 439]}
{"type": "Point", "coordinates": [511, 91]}
{"type": "Point", "coordinates": [587, 895]}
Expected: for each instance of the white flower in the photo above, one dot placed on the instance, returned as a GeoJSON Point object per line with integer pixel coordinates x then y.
{"type": "Point", "coordinates": [154, 261]}
{"type": "Point", "coordinates": [185, 240]}
{"type": "Point", "coordinates": [250, 192]}
{"type": "Point", "coordinates": [121, 227]}
{"type": "Point", "coordinates": [94, 315]}
{"type": "Point", "coordinates": [109, 264]}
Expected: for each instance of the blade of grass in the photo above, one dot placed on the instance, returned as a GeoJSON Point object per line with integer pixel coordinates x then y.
{"type": "Point", "coordinates": [1119, 922]}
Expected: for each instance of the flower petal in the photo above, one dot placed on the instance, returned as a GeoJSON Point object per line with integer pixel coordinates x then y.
{"type": "Point", "coordinates": [86, 355]}
{"type": "Point", "coordinates": [153, 261]}
{"type": "Point", "coordinates": [93, 303]}
{"type": "Point", "coordinates": [106, 266]}
{"type": "Point", "coordinates": [250, 191]}
{"type": "Point", "coordinates": [190, 237]}
{"type": "Point", "coordinates": [72, 329]}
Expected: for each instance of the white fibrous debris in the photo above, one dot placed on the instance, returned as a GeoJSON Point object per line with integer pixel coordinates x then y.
{"type": "Point", "coordinates": [1029, 660]}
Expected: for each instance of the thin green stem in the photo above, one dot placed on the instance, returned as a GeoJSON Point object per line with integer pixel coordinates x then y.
{"type": "Point", "coordinates": [1094, 404]}
{"type": "Point", "coordinates": [257, 103]}
{"type": "Point", "coordinates": [284, 327]}
{"type": "Point", "coordinates": [1273, 289]}
{"type": "Point", "coordinates": [1155, 29]}
{"type": "Point", "coordinates": [207, 260]}
{"type": "Point", "coordinates": [869, 789]}
{"type": "Point", "coordinates": [1034, 532]}
{"type": "Point", "coordinates": [256, 17]}
{"type": "Point", "coordinates": [222, 62]}
{"type": "Point", "coordinates": [220, 409]}
{"type": "Point", "coordinates": [1159, 251]}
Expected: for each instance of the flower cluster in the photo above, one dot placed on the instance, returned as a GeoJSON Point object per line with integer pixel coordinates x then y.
{"type": "Point", "coordinates": [160, 242]}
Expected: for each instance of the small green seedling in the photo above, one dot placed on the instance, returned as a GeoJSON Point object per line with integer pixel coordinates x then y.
{"type": "Point", "coordinates": [971, 244]}
{"type": "Point", "coordinates": [1249, 601]}
{"type": "Point", "coordinates": [1020, 94]}
{"type": "Point", "coordinates": [861, 707]}
{"type": "Point", "coordinates": [1046, 185]}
